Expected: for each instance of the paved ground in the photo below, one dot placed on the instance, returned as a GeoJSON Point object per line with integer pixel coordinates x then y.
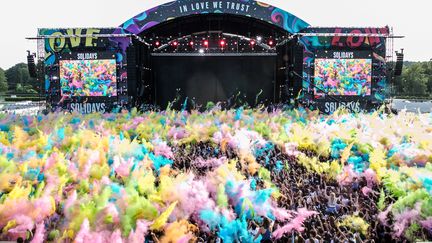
{"type": "Point", "coordinates": [412, 106]}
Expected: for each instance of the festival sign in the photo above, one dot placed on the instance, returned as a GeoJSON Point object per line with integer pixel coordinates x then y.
{"type": "Point", "coordinates": [81, 39]}
{"type": "Point", "coordinates": [180, 8]}
{"type": "Point", "coordinates": [345, 38]}
{"type": "Point", "coordinates": [88, 108]}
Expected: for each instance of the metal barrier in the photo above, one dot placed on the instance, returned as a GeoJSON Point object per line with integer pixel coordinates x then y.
{"type": "Point", "coordinates": [22, 108]}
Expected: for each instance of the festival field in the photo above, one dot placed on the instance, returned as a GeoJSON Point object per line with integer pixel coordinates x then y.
{"type": "Point", "coordinates": [217, 176]}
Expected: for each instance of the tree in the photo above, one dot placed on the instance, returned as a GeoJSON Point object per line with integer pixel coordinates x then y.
{"type": "Point", "coordinates": [3, 81]}
{"type": "Point", "coordinates": [427, 67]}
{"type": "Point", "coordinates": [25, 89]}
{"type": "Point", "coordinates": [414, 80]}
{"type": "Point", "coordinates": [19, 74]}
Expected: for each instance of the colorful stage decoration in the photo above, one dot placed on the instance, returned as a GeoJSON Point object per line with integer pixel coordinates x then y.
{"type": "Point", "coordinates": [180, 8]}
{"type": "Point", "coordinates": [88, 77]}
{"type": "Point", "coordinates": [129, 176]}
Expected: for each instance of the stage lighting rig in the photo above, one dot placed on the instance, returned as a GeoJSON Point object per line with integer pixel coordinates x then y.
{"type": "Point", "coordinates": [215, 42]}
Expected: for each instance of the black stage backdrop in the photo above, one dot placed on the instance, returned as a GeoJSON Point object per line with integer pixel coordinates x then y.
{"type": "Point", "coordinates": [214, 78]}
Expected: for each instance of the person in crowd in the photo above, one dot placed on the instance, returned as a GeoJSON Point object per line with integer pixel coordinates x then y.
{"type": "Point", "coordinates": [332, 205]}
{"type": "Point", "coordinates": [265, 230]}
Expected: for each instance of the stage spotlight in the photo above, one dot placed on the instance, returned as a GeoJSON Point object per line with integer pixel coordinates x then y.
{"type": "Point", "coordinates": [191, 43]}
{"type": "Point", "coordinates": [201, 51]}
{"type": "Point", "coordinates": [175, 43]}
{"type": "Point", "coordinates": [157, 43]}
{"type": "Point", "coordinates": [252, 42]}
{"type": "Point", "coordinates": [222, 43]}
{"type": "Point", "coordinates": [206, 43]}
{"type": "Point", "coordinates": [259, 39]}
{"type": "Point", "coordinates": [270, 42]}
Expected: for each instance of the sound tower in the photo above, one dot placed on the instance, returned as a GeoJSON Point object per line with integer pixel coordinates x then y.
{"type": "Point", "coordinates": [31, 65]}
{"type": "Point", "coordinates": [132, 72]}
{"type": "Point", "coordinates": [284, 82]}
{"type": "Point", "coordinates": [298, 68]}
{"type": "Point", "coordinates": [399, 63]}
{"type": "Point", "coordinates": [144, 83]}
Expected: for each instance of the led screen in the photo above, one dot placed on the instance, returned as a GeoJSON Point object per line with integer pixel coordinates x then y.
{"type": "Point", "coordinates": [93, 78]}
{"type": "Point", "coordinates": [343, 77]}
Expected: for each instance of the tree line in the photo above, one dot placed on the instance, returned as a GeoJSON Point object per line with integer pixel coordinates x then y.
{"type": "Point", "coordinates": [416, 81]}
{"type": "Point", "coordinates": [17, 80]}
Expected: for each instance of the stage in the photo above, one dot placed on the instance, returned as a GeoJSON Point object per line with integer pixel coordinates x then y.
{"type": "Point", "coordinates": [188, 54]}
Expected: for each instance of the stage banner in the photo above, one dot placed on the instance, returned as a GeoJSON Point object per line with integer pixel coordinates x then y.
{"type": "Point", "coordinates": [247, 8]}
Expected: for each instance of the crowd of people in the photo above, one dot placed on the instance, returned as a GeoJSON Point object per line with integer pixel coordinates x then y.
{"type": "Point", "coordinates": [333, 202]}
{"type": "Point", "coordinates": [301, 188]}
{"type": "Point", "coordinates": [216, 176]}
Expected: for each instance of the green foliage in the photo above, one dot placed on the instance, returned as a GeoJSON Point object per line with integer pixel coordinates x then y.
{"type": "Point", "coordinates": [3, 81]}
{"type": "Point", "coordinates": [19, 80]}
{"type": "Point", "coordinates": [416, 80]}
{"type": "Point", "coordinates": [25, 89]}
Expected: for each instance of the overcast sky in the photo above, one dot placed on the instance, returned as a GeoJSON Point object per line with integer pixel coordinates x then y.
{"type": "Point", "coordinates": [21, 18]}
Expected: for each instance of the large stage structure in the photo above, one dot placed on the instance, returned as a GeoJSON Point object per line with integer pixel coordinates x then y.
{"type": "Point", "coordinates": [190, 52]}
